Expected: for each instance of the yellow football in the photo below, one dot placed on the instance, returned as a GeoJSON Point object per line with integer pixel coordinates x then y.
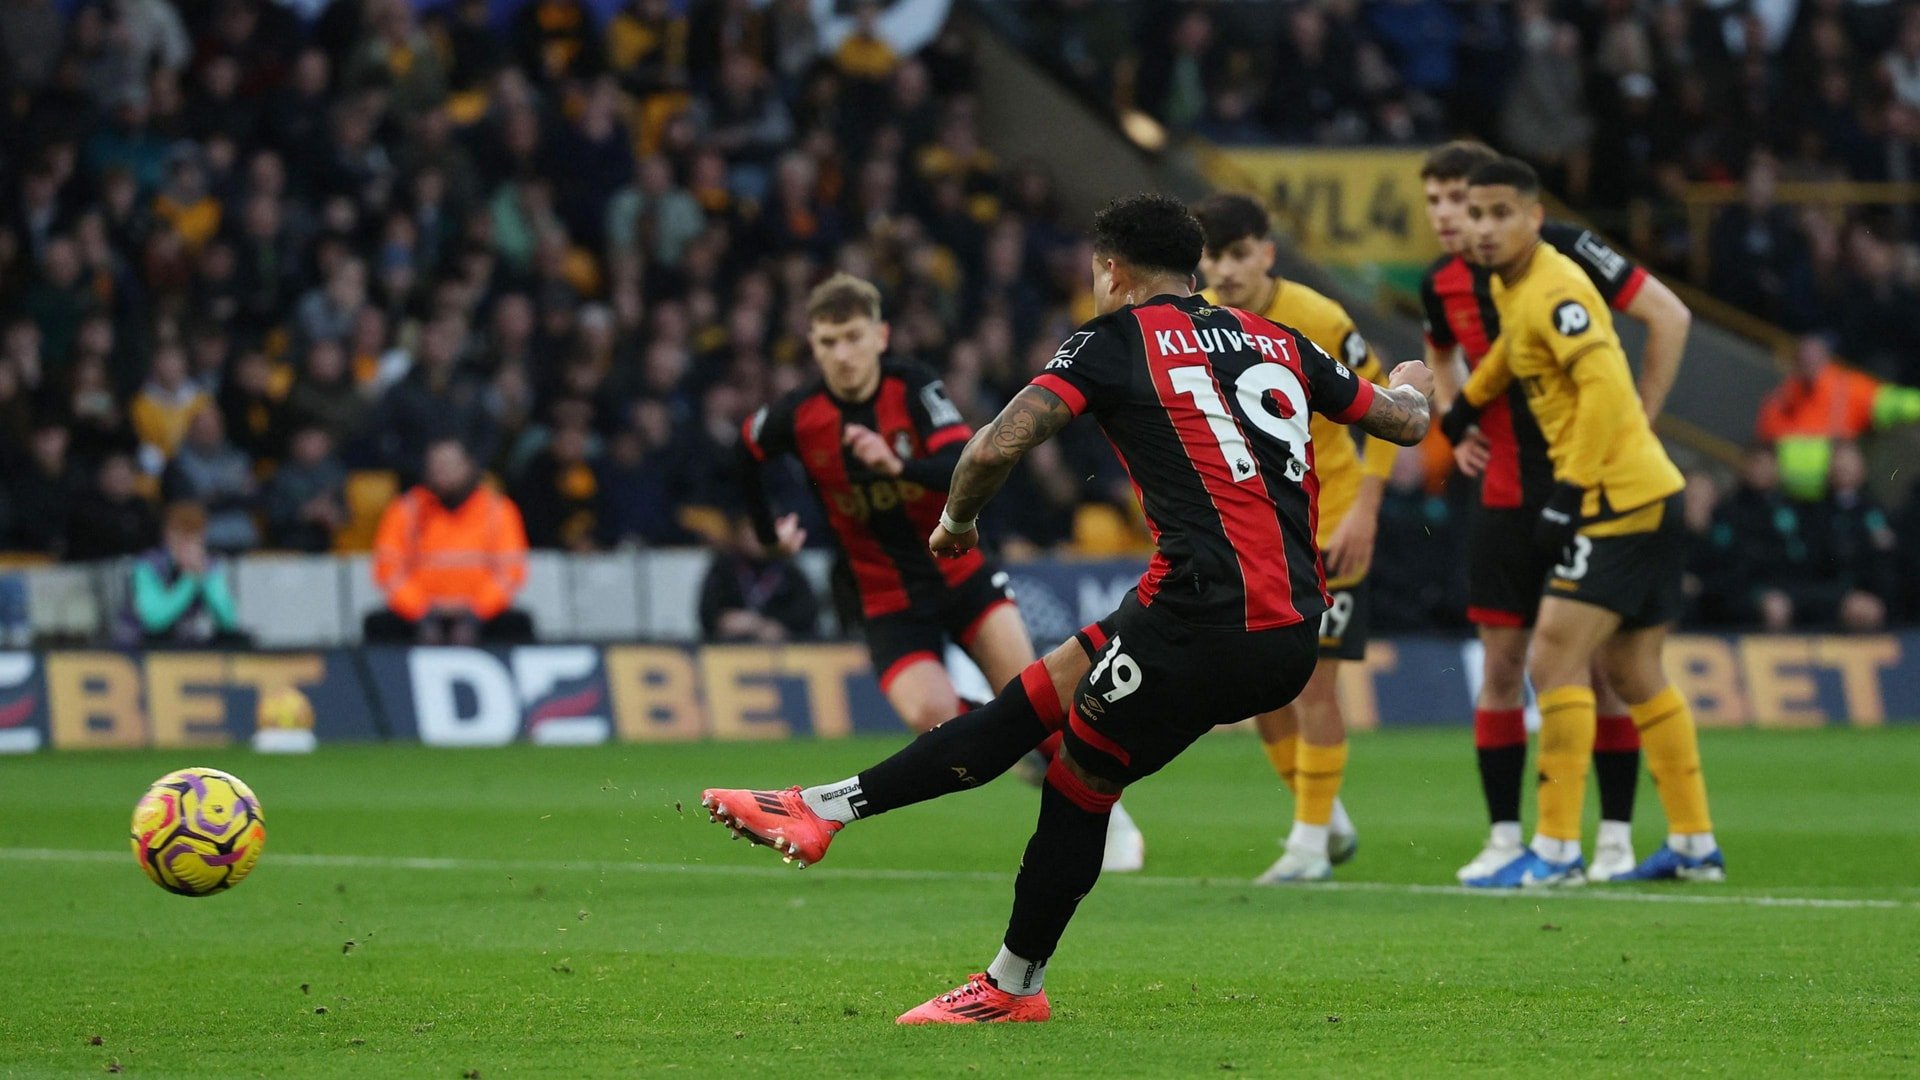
{"type": "Point", "coordinates": [198, 831]}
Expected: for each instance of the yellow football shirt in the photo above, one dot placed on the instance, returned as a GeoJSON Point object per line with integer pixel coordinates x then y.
{"type": "Point", "coordinates": [1557, 339]}
{"type": "Point", "coordinates": [1336, 460]}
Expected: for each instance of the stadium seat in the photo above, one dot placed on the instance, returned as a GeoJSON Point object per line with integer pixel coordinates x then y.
{"type": "Point", "coordinates": [672, 590]}
{"type": "Point", "coordinates": [290, 601]}
{"type": "Point", "coordinates": [368, 493]}
{"type": "Point", "coordinates": [604, 593]}
{"type": "Point", "coordinates": [546, 598]}
{"type": "Point", "coordinates": [361, 594]}
{"type": "Point", "coordinates": [62, 603]}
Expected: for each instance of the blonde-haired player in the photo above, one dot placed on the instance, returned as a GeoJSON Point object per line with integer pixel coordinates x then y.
{"type": "Point", "coordinates": [1307, 740]}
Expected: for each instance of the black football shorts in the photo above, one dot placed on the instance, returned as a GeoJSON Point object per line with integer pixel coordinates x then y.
{"type": "Point", "coordinates": [1636, 576]}
{"type": "Point", "coordinates": [1157, 684]}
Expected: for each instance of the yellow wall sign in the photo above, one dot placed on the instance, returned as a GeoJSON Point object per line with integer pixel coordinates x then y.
{"type": "Point", "coordinates": [1342, 207]}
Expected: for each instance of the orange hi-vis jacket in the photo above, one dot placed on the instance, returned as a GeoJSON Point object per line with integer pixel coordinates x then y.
{"type": "Point", "coordinates": [425, 554]}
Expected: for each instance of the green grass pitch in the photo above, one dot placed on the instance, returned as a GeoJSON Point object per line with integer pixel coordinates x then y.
{"type": "Point", "coordinates": [570, 913]}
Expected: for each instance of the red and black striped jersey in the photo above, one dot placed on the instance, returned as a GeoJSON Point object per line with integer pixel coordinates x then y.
{"type": "Point", "coordinates": [881, 522]}
{"type": "Point", "coordinates": [1207, 408]}
{"type": "Point", "coordinates": [1457, 298]}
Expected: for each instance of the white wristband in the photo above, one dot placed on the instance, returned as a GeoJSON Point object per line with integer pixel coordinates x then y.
{"type": "Point", "coordinates": [957, 528]}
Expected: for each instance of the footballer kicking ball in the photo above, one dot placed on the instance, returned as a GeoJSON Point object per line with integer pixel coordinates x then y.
{"type": "Point", "coordinates": [198, 831]}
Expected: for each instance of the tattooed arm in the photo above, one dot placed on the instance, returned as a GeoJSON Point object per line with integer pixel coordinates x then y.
{"type": "Point", "coordinates": [1401, 413]}
{"type": "Point", "coordinates": [1031, 418]}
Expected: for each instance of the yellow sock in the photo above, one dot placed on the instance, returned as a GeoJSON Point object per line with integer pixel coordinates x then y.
{"type": "Point", "coordinates": [1281, 754]}
{"type": "Point", "coordinates": [1318, 782]}
{"type": "Point", "coordinates": [1567, 723]}
{"type": "Point", "coordinates": [1672, 749]}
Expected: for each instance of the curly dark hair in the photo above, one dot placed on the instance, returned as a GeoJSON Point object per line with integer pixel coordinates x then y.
{"type": "Point", "coordinates": [1149, 231]}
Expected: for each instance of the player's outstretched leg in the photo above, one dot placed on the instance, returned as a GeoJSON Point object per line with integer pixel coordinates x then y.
{"type": "Point", "coordinates": [962, 753]}
{"type": "Point", "coordinates": [1061, 865]}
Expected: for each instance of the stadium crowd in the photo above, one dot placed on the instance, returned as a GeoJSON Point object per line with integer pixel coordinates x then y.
{"type": "Point", "coordinates": [1619, 103]}
{"type": "Point", "coordinates": [251, 253]}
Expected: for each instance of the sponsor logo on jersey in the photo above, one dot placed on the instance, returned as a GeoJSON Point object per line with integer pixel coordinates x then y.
{"type": "Point", "coordinates": [1609, 262]}
{"type": "Point", "coordinates": [1571, 319]}
{"type": "Point", "coordinates": [940, 408]}
{"type": "Point", "coordinates": [1070, 348]}
{"type": "Point", "coordinates": [1353, 349]}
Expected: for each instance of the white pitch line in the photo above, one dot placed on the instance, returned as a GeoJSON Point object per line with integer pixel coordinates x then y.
{"type": "Point", "coordinates": [1701, 894]}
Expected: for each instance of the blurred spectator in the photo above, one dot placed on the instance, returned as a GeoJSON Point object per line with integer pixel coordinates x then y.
{"type": "Point", "coordinates": [635, 506]}
{"type": "Point", "coordinates": [41, 492]}
{"type": "Point", "coordinates": [1704, 582]}
{"type": "Point", "coordinates": [450, 555]}
{"type": "Point", "coordinates": [112, 519]}
{"type": "Point", "coordinates": [57, 300]}
{"type": "Point", "coordinates": [30, 36]}
{"type": "Point", "coordinates": [559, 493]}
{"type": "Point", "coordinates": [653, 218]}
{"type": "Point", "coordinates": [1822, 402]}
{"type": "Point", "coordinates": [1177, 66]}
{"type": "Point", "coordinates": [1876, 309]}
{"type": "Point", "coordinates": [255, 415]}
{"type": "Point", "coordinates": [1783, 563]}
{"type": "Point", "coordinates": [324, 395]}
{"type": "Point", "coordinates": [328, 314]}
{"type": "Point", "coordinates": [750, 595]}
{"type": "Point", "coordinates": [1860, 546]}
{"type": "Point", "coordinates": [747, 122]}
{"type": "Point", "coordinates": [305, 501]}
{"type": "Point", "coordinates": [1750, 535]}
{"type": "Point", "coordinates": [435, 400]}
{"type": "Point", "coordinates": [181, 594]}
{"type": "Point", "coordinates": [216, 475]}
{"type": "Point", "coordinates": [98, 422]}
{"type": "Point", "coordinates": [166, 404]}
{"type": "Point", "coordinates": [1759, 257]}
{"type": "Point", "coordinates": [1545, 119]}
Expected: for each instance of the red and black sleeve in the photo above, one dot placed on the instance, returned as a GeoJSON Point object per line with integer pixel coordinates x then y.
{"type": "Point", "coordinates": [943, 432]}
{"type": "Point", "coordinates": [1434, 309]}
{"type": "Point", "coordinates": [765, 435]}
{"type": "Point", "coordinates": [1333, 389]}
{"type": "Point", "coordinates": [1617, 277]}
{"type": "Point", "coordinates": [1090, 367]}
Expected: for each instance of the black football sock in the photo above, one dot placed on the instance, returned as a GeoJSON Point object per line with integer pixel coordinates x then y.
{"type": "Point", "coordinates": [1616, 765]}
{"type": "Point", "coordinates": [1060, 867]}
{"type": "Point", "coordinates": [1500, 742]}
{"type": "Point", "coordinates": [1502, 769]}
{"type": "Point", "coordinates": [965, 752]}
